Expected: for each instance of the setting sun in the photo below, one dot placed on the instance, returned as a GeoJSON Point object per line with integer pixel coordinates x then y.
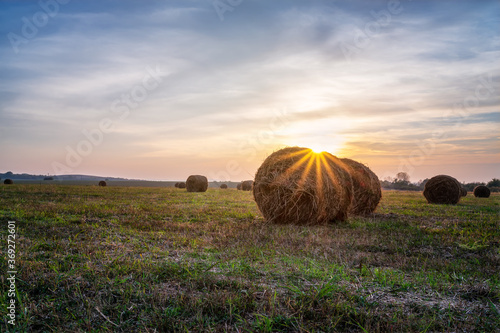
{"type": "Point", "coordinates": [318, 150]}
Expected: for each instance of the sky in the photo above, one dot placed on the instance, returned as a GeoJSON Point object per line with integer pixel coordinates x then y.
{"type": "Point", "coordinates": [161, 90]}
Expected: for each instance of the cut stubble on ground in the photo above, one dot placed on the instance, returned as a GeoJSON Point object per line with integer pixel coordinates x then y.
{"type": "Point", "coordinates": [139, 259]}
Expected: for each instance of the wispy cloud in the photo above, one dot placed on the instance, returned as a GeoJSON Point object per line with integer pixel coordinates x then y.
{"type": "Point", "coordinates": [227, 78]}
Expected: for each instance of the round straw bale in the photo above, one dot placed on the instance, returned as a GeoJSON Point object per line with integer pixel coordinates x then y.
{"type": "Point", "coordinates": [177, 184]}
{"type": "Point", "coordinates": [366, 188]}
{"type": "Point", "coordinates": [8, 181]}
{"type": "Point", "coordinates": [482, 191]}
{"type": "Point", "coordinates": [238, 187]}
{"type": "Point", "coordinates": [297, 186]}
{"type": "Point", "coordinates": [196, 183]}
{"type": "Point", "coordinates": [247, 185]}
{"type": "Point", "coordinates": [181, 185]}
{"type": "Point", "coordinates": [442, 189]}
{"type": "Point", "coordinates": [463, 191]}
{"type": "Point", "coordinates": [102, 183]}
{"type": "Point", "coordinates": [223, 186]}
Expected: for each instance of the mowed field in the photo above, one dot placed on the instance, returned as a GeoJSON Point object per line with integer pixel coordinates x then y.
{"type": "Point", "coordinates": [164, 260]}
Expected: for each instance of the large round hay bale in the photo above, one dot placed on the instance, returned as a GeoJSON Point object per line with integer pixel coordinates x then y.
{"type": "Point", "coordinates": [196, 183]}
{"type": "Point", "coordinates": [442, 189]}
{"type": "Point", "coordinates": [223, 186]}
{"type": "Point", "coordinates": [247, 185]}
{"type": "Point", "coordinates": [297, 186]}
{"type": "Point", "coordinates": [102, 183]}
{"type": "Point", "coordinates": [482, 191]}
{"type": "Point", "coordinates": [8, 181]}
{"type": "Point", "coordinates": [238, 187]}
{"type": "Point", "coordinates": [366, 188]}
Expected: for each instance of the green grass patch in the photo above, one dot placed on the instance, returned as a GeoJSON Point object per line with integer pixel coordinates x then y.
{"type": "Point", "coordinates": [95, 259]}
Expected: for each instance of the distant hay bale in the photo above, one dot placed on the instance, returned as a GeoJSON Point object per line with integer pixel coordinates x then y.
{"type": "Point", "coordinates": [223, 186]}
{"type": "Point", "coordinates": [181, 185]}
{"type": "Point", "coordinates": [247, 185]}
{"type": "Point", "coordinates": [102, 183]}
{"type": "Point", "coordinates": [297, 186]}
{"type": "Point", "coordinates": [238, 187]}
{"type": "Point", "coordinates": [366, 188]}
{"type": "Point", "coordinates": [196, 183]}
{"type": "Point", "coordinates": [177, 184]}
{"type": "Point", "coordinates": [463, 191]}
{"type": "Point", "coordinates": [8, 181]}
{"type": "Point", "coordinates": [442, 189]}
{"type": "Point", "coordinates": [482, 191]}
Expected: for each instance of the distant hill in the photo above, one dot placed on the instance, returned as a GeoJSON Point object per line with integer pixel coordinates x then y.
{"type": "Point", "coordinates": [26, 176]}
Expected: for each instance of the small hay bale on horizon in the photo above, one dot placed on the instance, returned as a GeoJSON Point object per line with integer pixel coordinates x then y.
{"type": "Point", "coordinates": [102, 183]}
{"type": "Point", "coordinates": [181, 185]}
{"type": "Point", "coordinates": [442, 189]}
{"type": "Point", "coordinates": [8, 181]}
{"type": "Point", "coordinates": [297, 186]}
{"type": "Point", "coordinates": [223, 186]}
{"type": "Point", "coordinates": [246, 185]}
{"type": "Point", "coordinates": [482, 191]}
{"type": "Point", "coordinates": [176, 185]}
{"type": "Point", "coordinates": [463, 191]}
{"type": "Point", "coordinates": [196, 183]}
{"type": "Point", "coordinates": [238, 187]}
{"type": "Point", "coordinates": [366, 188]}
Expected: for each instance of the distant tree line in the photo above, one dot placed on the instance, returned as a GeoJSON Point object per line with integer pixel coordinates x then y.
{"type": "Point", "coordinates": [11, 175]}
{"type": "Point", "coordinates": [402, 182]}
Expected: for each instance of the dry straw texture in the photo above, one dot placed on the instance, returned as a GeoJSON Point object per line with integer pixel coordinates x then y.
{"type": "Point", "coordinates": [442, 189]}
{"type": "Point", "coordinates": [102, 183]}
{"type": "Point", "coordinates": [482, 191]}
{"type": "Point", "coordinates": [196, 183]}
{"type": "Point", "coordinates": [223, 186]}
{"type": "Point", "coordinates": [8, 181]}
{"type": "Point", "coordinates": [297, 186]}
{"type": "Point", "coordinates": [181, 185]}
{"type": "Point", "coordinates": [247, 185]}
{"type": "Point", "coordinates": [366, 188]}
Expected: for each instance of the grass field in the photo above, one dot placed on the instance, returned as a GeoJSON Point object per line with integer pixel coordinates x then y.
{"type": "Point", "coordinates": [164, 260]}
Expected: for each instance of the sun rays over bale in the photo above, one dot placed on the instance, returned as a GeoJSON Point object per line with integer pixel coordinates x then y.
{"type": "Point", "coordinates": [482, 191]}
{"type": "Point", "coordinates": [297, 186]}
{"type": "Point", "coordinates": [247, 185]}
{"type": "Point", "coordinates": [366, 188]}
{"type": "Point", "coordinates": [102, 183]}
{"type": "Point", "coordinates": [181, 185]}
{"type": "Point", "coordinates": [223, 186]}
{"type": "Point", "coordinates": [442, 189]}
{"type": "Point", "coordinates": [8, 181]}
{"type": "Point", "coordinates": [238, 187]}
{"type": "Point", "coordinates": [196, 183]}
